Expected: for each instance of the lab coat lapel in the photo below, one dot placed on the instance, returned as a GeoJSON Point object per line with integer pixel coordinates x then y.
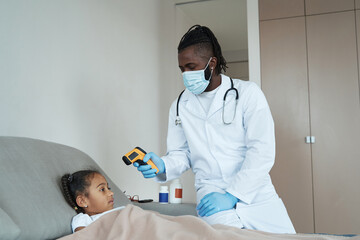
{"type": "Point", "coordinates": [193, 105]}
{"type": "Point", "coordinates": [217, 103]}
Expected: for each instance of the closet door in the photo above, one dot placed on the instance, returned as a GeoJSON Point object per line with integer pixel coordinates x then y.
{"type": "Point", "coordinates": [335, 121]}
{"type": "Point", "coordinates": [284, 82]}
{"type": "Point", "coordinates": [327, 6]}
{"type": "Point", "coordinates": [280, 9]}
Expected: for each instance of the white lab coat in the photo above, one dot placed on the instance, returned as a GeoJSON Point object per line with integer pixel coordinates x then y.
{"type": "Point", "coordinates": [235, 158]}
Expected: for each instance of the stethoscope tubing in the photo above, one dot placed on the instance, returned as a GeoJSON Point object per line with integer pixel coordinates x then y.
{"type": "Point", "coordinates": [232, 88]}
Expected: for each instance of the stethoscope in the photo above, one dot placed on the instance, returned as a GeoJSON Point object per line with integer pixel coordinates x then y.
{"type": "Point", "coordinates": [178, 120]}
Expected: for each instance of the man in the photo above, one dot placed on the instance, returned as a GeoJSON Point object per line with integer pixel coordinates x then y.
{"type": "Point", "coordinates": [222, 128]}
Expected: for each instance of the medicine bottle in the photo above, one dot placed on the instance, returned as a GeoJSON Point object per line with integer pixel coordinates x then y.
{"type": "Point", "coordinates": [164, 194]}
{"type": "Point", "coordinates": [176, 191]}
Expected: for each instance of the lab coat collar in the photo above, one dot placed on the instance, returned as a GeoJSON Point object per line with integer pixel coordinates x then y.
{"type": "Point", "coordinates": [192, 104]}
{"type": "Point", "coordinates": [217, 103]}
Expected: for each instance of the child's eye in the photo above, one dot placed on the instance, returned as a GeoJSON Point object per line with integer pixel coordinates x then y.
{"type": "Point", "coordinates": [109, 188]}
{"type": "Point", "coordinates": [102, 189]}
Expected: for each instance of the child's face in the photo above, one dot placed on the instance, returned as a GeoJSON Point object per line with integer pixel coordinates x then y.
{"type": "Point", "coordinates": [100, 198]}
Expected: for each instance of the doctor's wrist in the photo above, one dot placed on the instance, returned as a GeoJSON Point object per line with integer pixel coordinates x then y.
{"type": "Point", "coordinates": [162, 170]}
{"type": "Point", "coordinates": [161, 166]}
{"type": "Point", "coordinates": [233, 199]}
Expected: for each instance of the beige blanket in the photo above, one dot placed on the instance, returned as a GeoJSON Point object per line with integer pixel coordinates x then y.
{"type": "Point", "coordinates": [133, 223]}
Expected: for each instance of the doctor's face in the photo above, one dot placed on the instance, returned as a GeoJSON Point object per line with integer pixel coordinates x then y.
{"type": "Point", "coordinates": [191, 60]}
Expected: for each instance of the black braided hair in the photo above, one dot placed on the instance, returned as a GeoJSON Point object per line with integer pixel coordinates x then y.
{"type": "Point", "coordinates": [75, 184]}
{"type": "Point", "coordinates": [204, 39]}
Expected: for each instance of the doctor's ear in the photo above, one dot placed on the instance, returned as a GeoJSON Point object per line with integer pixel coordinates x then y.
{"type": "Point", "coordinates": [213, 63]}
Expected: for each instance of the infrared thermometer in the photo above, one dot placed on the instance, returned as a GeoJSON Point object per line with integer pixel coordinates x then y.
{"type": "Point", "coordinates": [137, 155]}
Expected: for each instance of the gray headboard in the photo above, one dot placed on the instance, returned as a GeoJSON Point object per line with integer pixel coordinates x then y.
{"type": "Point", "coordinates": [31, 203]}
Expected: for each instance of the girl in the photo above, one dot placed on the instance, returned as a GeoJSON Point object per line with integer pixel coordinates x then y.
{"type": "Point", "coordinates": [88, 193]}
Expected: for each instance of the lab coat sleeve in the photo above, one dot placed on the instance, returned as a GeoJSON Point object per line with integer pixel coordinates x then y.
{"type": "Point", "coordinates": [260, 144]}
{"type": "Point", "coordinates": [177, 157]}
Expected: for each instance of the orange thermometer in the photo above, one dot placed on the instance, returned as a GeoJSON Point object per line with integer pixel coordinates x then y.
{"type": "Point", "coordinates": [137, 155]}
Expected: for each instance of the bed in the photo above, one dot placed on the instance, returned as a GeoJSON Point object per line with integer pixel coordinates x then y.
{"type": "Point", "coordinates": [32, 205]}
{"type": "Point", "coordinates": [136, 223]}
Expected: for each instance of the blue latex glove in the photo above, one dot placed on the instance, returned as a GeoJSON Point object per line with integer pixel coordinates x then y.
{"type": "Point", "coordinates": [216, 202]}
{"type": "Point", "coordinates": [146, 170]}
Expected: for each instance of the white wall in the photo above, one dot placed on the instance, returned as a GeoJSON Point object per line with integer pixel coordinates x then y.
{"type": "Point", "coordinates": [89, 74]}
{"type": "Point", "coordinates": [253, 41]}
{"type": "Point", "coordinates": [95, 75]}
{"type": "Point", "coordinates": [239, 70]}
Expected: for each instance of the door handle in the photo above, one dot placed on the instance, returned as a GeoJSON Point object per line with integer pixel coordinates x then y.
{"type": "Point", "coordinates": [310, 139]}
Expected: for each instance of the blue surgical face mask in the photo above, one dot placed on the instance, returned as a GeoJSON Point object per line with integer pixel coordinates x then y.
{"type": "Point", "coordinates": [195, 81]}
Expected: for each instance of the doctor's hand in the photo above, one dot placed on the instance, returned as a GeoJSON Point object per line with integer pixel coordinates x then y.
{"type": "Point", "coordinates": [216, 202]}
{"type": "Point", "coordinates": [146, 170]}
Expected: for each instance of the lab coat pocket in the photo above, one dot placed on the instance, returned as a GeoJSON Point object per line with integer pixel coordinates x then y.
{"type": "Point", "coordinates": [228, 133]}
{"type": "Point", "coordinates": [268, 216]}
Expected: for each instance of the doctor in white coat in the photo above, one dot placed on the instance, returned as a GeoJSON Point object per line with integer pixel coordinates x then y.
{"type": "Point", "coordinates": [223, 130]}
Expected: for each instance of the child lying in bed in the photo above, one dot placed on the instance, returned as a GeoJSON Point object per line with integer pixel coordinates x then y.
{"type": "Point", "coordinates": [89, 194]}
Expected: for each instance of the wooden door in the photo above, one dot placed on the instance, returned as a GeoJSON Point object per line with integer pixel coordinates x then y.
{"type": "Point", "coordinates": [328, 6]}
{"type": "Point", "coordinates": [335, 121]}
{"type": "Point", "coordinates": [284, 82]}
{"type": "Point", "coordinates": [275, 9]}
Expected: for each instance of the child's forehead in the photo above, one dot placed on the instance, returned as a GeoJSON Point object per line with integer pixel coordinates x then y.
{"type": "Point", "coordinates": [98, 179]}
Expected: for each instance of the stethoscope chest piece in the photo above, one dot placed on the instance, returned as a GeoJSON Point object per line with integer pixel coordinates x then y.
{"type": "Point", "coordinates": [177, 120]}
